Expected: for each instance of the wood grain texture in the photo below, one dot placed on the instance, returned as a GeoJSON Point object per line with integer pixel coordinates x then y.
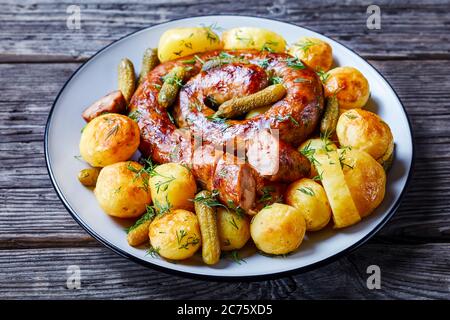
{"type": "Point", "coordinates": [39, 239]}
{"type": "Point", "coordinates": [36, 30]}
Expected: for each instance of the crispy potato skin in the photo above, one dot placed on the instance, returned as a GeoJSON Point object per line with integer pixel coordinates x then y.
{"type": "Point", "coordinates": [366, 181]}
{"type": "Point", "coordinates": [180, 42]}
{"type": "Point", "coordinates": [253, 38]}
{"type": "Point", "coordinates": [108, 139]}
{"type": "Point", "coordinates": [364, 131]}
{"type": "Point", "coordinates": [234, 230]}
{"type": "Point", "coordinates": [175, 184]}
{"type": "Point", "coordinates": [349, 85]}
{"type": "Point", "coordinates": [314, 52]}
{"type": "Point", "coordinates": [120, 192]}
{"type": "Point", "coordinates": [278, 229]}
{"type": "Point", "coordinates": [176, 235]}
{"type": "Point", "coordinates": [310, 197]}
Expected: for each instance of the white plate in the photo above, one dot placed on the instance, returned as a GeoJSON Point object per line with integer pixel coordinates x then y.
{"type": "Point", "coordinates": [98, 76]}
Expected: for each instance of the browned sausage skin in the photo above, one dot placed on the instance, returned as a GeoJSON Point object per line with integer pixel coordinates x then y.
{"type": "Point", "coordinates": [293, 118]}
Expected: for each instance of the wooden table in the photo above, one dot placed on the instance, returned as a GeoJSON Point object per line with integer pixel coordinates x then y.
{"type": "Point", "coordinates": [39, 239]}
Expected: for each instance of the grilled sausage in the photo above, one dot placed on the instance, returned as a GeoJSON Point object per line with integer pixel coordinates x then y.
{"type": "Point", "coordinates": [113, 102]}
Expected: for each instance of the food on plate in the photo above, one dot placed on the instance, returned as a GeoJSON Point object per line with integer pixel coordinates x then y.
{"type": "Point", "coordinates": [310, 198]}
{"type": "Point", "coordinates": [241, 105]}
{"type": "Point", "coordinates": [113, 102]}
{"type": "Point", "coordinates": [88, 177]}
{"type": "Point", "coordinates": [349, 86]}
{"type": "Point", "coordinates": [364, 130]}
{"type": "Point", "coordinates": [175, 235]}
{"type": "Point", "coordinates": [126, 79]}
{"type": "Point", "coordinates": [330, 116]}
{"type": "Point", "coordinates": [256, 112]}
{"type": "Point", "coordinates": [206, 215]}
{"type": "Point", "coordinates": [122, 189]}
{"type": "Point", "coordinates": [149, 62]}
{"type": "Point", "coordinates": [108, 139]}
{"type": "Point", "coordinates": [365, 178]}
{"type": "Point", "coordinates": [278, 229]}
{"type": "Point", "coordinates": [172, 186]}
{"type": "Point", "coordinates": [345, 212]}
{"type": "Point", "coordinates": [314, 52]}
{"type": "Point", "coordinates": [181, 42]}
{"type": "Point", "coordinates": [267, 134]}
{"type": "Point", "coordinates": [137, 234]}
{"type": "Point", "coordinates": [234, 229]}
{"type": "Point", "coordinates": [253, 38]}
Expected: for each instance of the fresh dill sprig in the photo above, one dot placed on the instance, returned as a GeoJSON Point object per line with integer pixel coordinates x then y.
{"type": "Point", "coordinates": [149, 215]}
{"type": "Point", "coordinates": [307, 190]}
{"type": "Point", "coordinates": [210, 201]}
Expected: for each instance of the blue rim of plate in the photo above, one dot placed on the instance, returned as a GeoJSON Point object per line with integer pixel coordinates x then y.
{"type": "Point", "coordinates": [269, 276]}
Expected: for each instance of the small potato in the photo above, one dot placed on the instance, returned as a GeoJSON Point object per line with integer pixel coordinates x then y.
{"type": "Point", "coordinates": [364, 131]}
{"type": "Point", "coordinates": [181, 42]}
{"type": "Point", "coordinates": [309, 149]}
{"type": "Point", "coordinates": [108, 139]}
{"type": "Point", "coordinates": [175, 235]}
{"type": "Point", "coordinates": [172, 187]}
{"type": "Point", "coordinates": [315, 53]}
{"type": "Point", "coordinates": [253, 38]}
{"type": "Point", "coordinates": [257, 112]}
{"type": "Point", "coordinates": [278, 229]}
{"type": "Point", "coordinates": [310, 197]}
{"type": "Point", "coordinates": [122, 190]}
{"type": "Point", "coordinates": [349, 86]}
{"type": "Point", "coordinates": [365, 178]}
{"type": "Point", "coordinates": [234, 230]}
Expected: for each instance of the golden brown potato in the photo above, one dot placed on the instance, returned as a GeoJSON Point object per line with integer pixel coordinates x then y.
{"type": "Point", "coordinates": [122, 190]}
{"type": "Point", "coordinates": [278, 229]}
{"type": "Point", "coordinates": [364, 131]}
{"type": "Point", "coordinates": [349, 86]}
{"type": "Point", "coordinates": [175, 235]}
{"type": "Point", "coordinates": [181, 42]}
{"type": "Point", "coordinates": [253, 38]}
{"type": "Point", "coordinates": [172, 187]}
{"type": "Point", "coordinates": [234, 229]}
{"type": "Point", "coordinates": [314, 52]}
{"type": "Point", "coordinates": [365, 178]}
{"type": "Point", "coordinates": [108, 139]}
{"type": "Point", "coordinates": [257, 112]}
{"type": "Point", "coordinates": [309, 149]}
{"type": "Point", "coordinates": [310, 197]}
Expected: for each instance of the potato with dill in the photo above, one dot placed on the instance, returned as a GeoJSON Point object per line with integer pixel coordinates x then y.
{"type": "Point", "coordinates": [108, 139]}
{"type": "Point", "coordinates": [234, 229]}
{"type": "Point", "coordinates": [172, 186]}
{"type": "Point", "coordinates": [349, 86]}
{"type": "Point", "coordinates": [309, 149]}
{"type": "Point", "coordinates": [365, 178]}
{"type": "Point", "coordinates": [364, 131]}
{"type": "Point", "coordinates": [175, 235]}
{"type": "Point", "coordinates": [315, 53]}
{"type": "Point", "coordinates": [253, 38]}
{"type": "Point", "coordinates": [310, 197]}
{"type": "Point", "coordinates": [278, 229]}
{"type": "Point", "coordinates": [180, 42]}
{"type": "Point", "coordinates": [122, 189]}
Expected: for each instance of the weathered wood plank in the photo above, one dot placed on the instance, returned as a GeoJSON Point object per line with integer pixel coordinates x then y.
{"type": "Point", "coordinates": [31, 214]}
{"type": "Point", "coordinates": [407, 272]}
{"type": "Point", "coordinates": [36, 30]}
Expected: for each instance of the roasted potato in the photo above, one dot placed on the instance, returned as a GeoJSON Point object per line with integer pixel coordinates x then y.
{"type": "Point", "coordinates": [310, 197]}
{"type": "Point", "coordinates": [349, 86]}
{"type": "Point", "coordinates": [365, 178]}
{"type": "Point", "coordinates": [108, 139]}
{"type": "Point", "coordinates": [309, 149]}
{"type": "Point", "coordinates": [122, 190]}
{"type": "Point", "coordinates": [314, 52]}
{"type": "Point", "coordinates": [172, 187]}
{"type": "Point", "coordinates": [253, 38]}
{"type": "Point", "coordinates": [257, 112]}
{"type": "Point", "coordinates": [175, 235]}
{"type": "Point", "coordinates": [278, 229]}
{"type": "Point", "coordinates": [234, 229]}
{"type": "Point", "coordinates": [364, 130]}
{"type": "Point", "coordinates": [181, 42]}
